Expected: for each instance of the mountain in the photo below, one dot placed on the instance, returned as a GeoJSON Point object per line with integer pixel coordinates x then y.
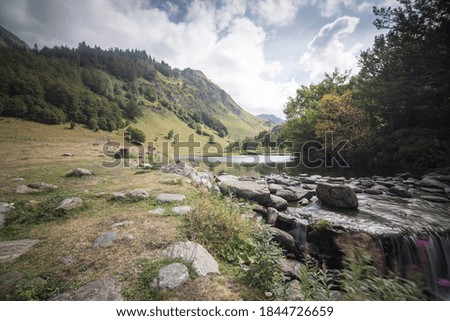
{"type": "Point", "coordinates": [110, 89]}
{"type": "Point", "coordinates": [271, 117]}
{"type": "Point", "coordinates": [10, 40]}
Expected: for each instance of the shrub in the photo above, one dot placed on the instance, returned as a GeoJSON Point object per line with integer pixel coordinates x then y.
{"type": "Point", "coordinates": [136, 135]}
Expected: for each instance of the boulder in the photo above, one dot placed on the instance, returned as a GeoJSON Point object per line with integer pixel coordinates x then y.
{"type": "Point", "coordinates": [272, 215]}
{"type": "Point", "coordinates": [106, 289]}
{"type": "Point", "coordinates": [118, 196]}
{"type": "Point", "coordinates": [138, 193]}
{"type": "Point", "coordinates": [432, 190]}
{"type": "Point", "coordinates": [285, 240]}
{"type": "Point", "coordinates": [78, 172]}
{"type": "Point", "coordinates": [202, 262]}
{"type": "Point", "coordinates": [70, 204]}
{"type": "Point", "coordinates": [303, 202]}
{"type": "Point", "coordinates": [11, 250]}
{"type": "Point", "coordinates": [181, 210]}
{"type": "Point", "coordinates": [376, 190]}
{"type": "Point", "coordinates": [260, 210]}
{"type": "Point", "coordinates": [170, 198]}
{"type": "Point", "coordinates": [302, 192]}
{"type": "Point", "coordinates": [290, 268]}
{"type": "Point", "coordinates": [289, 196]}
{"type": "Point", "coordinates": [157, 211]}
{"type": "Point", "coordinates": [278, 202]}
{"type": "Point", "coordinates": [104, 240]}
{"type": "Point", "coordinates": [400, 191]}
{"type": "Point", "coordinates": [170, 277]}
{"type": "Point", "coordinates": [274, 188]}
{"type": "Point", "coordinates": [388, 184]}
{"type": "Point", "coordinates": [340, 196]}
{"type": "Point", "coordinates": [430, 182]}
{"type": "Point", "coordinates": [35, 187]}
{"type": "Point", "coordinates": [248, 190]}
{"type": "Point", "coordinates": [4, 208]}
{"type": "Point", "coordinates": [294, 291]}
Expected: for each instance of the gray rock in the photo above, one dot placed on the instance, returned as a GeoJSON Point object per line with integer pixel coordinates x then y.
{"type": "Point", "coordinates": [432, 190]}
{"type": "Point", "coordinates": [202, 262]}
{"type": "Point", "coordinates": [400, 191]}
{"type": "Point", "coordinates": [138, 194]}
{"type": "Point", "coordinates": [302, 193]}
{"type": "Point", "coordinates": [430, 182]}
{"type": "Point", "coordinates": [226, 178]}
{"type": "Point", "coordinates": [35, 187]}
{"type": "Point", "coordinates": [303, 202]}
{"type": "Point", "coordinates": [388, 184]}
{"type": "Point", "coordinates": [104, 240]}
{"type": "Point", "coordinates": [272, 215]}
{"type": "Point", "coordinates": [376, 190]}
{"type": "Point", "coordinates": [18, 179]}
{"type": "Point", "coordinates": [278, 202]}
{"type": "Point", "coordinates": [67, 154]}
{"type": "Point", "coordinates": [170, 277]}
{"type": "Point", "coordinates": [157, 211]}
{"type": "Point", "coordinates": [181, 210]}
{"type": "Point", "coordinates": [273, 188]}
{"type": "Point", "coordinates": [78, 172]}
{"type": "Point", "coordinates": [4, 208]}
{"type": "Point", "coordinates": [248, 190]}
{"type": "Point", "coordinates": [291, 268]}
{"type": "Point", "coordinates": [337, 179]}
{"type": "Point", "coordinates": [106, 289]}
{"type": "Point", "coordinates": [288, 195]}
{"type": "Point", "coordinates": [70, 204]}
{"type": "Point", "coordinates": [170, 198]}
{"type": "Point", "coordinates": [434, 198]}
{"type": "Point", "coordinates": [11, 250]}
{"type": "Point", "coordinates": [285, 240]}
{"type": "Point", "coordinates": [118, 196]}
{"type": "Point", "coordinates": [294, 291]}
{"type": "Point", "coordinates": [260, 210]}
{"type": "Point", "coordinates": [123, 223]}
{"type": "Point", "coordinates": [8, 282]}
{"type": "Point", "coordinates": [340, 196]}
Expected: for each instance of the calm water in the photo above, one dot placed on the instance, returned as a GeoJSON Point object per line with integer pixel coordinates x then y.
{"type": "Point", "coordinates": [258, 165]}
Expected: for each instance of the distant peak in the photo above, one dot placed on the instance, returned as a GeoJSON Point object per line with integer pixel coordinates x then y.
{"type": "Point", "coordinates": [271, 117]}
{"type": "Point", "coordinates": [10, 40]}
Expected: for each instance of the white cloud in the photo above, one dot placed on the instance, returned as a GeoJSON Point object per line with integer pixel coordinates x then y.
{"type": "Point", "coordinates": [365, 7]}
{"type": "Point", "coordinates": [327, 50]}
{"type": "Point", "coordinates": [219, 40]}
{"type": "Point", "coordinates": [277, 12]}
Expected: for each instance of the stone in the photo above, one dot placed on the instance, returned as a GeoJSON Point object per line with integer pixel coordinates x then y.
{"type": "Point", "coordinates": [376, 190]}
{"type": "Point", "coordinates": [170, 181]}
{"type": "Point", "coordinates": [170, 277]}
{"type": "Point", "coordinates": [100, 194]}
{"type": "Point", "coordinates": [388, 184]}
{"type": "Point", "coordinates": [11, 250]}
{"type": "Point", "coordinates": [247, 190]}
{"type": "Point", "coordinates": [290, 268]}
{"type": "Point", "coordinates": [78, 172]}
{"type": "Point", "coordinates": [67, 155]}
{"type": "Point", "coordinates": [434, 198]}
{"type": "Point", "coordinates": [69, 204]}
{"type": "Point", "coordinates": [35, 187]}
{"type": "Point", "coordinates": [278, 202]}
{"type": "Point", "coordinates": [128, 237]}
{"type": "Point", "coordinates": [288, 195]}
{"type": "Point", "coordinates": [294, 291]}
{"type": "Point", "coordinates": [18, 179]}
{"type": "Point", "coordinates": [260, 210]}
{"type": "Point", "coordinates": [202, 262]}
{"type": "Point", "coordinates": [157, 211]}
{"type": "Point", "coordinates": [170, 198]}
{"type": "Point", "coordinates": [303, 202]}
{"type": "Point", "coordinates": [274, 188]}
{"type": "Point", "coordinates": [285, 240]}
{"type": "Point", "coordinates": [340, 196]}
{"type": "Point", "coordinates": [118, 196]}
{"type": "Point", "coordinates": [272, 215]}
{"type": "Point", "coordinates": [430, 182]}
{"type": "Point", "coordinates": [138, 193]}
{"type": "Point", "coordinates": [181, 210]}
{"type": "Point", "coordinates": [337, 179]}
{"type": "Point", "coordinates": [106, 289]}
{"type": "Point", "coordinates": [302, 193]}
{"type": "Point", "coordinates": [8, 282]}
{"type": "Point", "coordinates": [5, 208]}
{"type": "Point", "coordinates": [432, 190]}
{"type": "Point", "coordinates": [104, 240]}
{"type": "Point", "coordinates": [123, 223]}
{"type": "Point", "coordinates": [400, 191]}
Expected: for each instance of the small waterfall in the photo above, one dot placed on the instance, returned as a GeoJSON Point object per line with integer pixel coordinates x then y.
{"type": "Point", "coordinates": [299, 234]}
{"type": "Point", "coordinates": [426, 253]}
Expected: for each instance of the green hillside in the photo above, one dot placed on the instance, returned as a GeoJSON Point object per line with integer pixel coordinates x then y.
{"type": "Point", "coordinates": [111, 89]}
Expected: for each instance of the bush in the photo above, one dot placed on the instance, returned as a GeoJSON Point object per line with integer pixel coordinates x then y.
{"type": "Point", "coordinates": [136, 135]}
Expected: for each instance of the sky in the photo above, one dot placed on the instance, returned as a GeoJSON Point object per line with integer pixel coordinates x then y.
{"type": "Point", "coordinates": [259, 51]}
